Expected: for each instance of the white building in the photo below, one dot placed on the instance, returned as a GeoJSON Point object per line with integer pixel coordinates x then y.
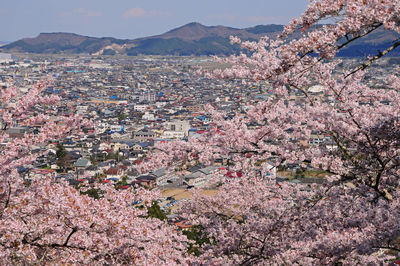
{"type": "Point", "coordinates": [6, 58]}
{"type": "Point", "coordinates": [178, 126]}
{"type": "Point", "coordinates": [173, 134]}
{"type": "Point", "coordinates": [140, 107]}
{"type": "Point", "coordinates": [81, 109]}
{"type": "Point", "coordinates": [117, 128]}
{"type": "Point", "coordinates": [148, 116]}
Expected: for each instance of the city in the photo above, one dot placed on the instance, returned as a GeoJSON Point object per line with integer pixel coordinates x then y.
{"type": "Point", "coordinates": [248, 144]}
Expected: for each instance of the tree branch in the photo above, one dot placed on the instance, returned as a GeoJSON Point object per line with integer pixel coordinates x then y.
{"type": "Point", "coordinates": [69, 236]}
{"type": "Point", "coordinates": [359, 36]}
{"type": "Point", "coordinates": [373, 59]}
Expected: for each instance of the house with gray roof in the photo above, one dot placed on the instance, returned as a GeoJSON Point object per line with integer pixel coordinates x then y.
{"type": "Point", "coordinates": [82, 163]}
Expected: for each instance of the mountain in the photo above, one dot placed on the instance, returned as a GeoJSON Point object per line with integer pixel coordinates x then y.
{"type": "Point", "coordinates": [60, 42]}
{"type": "Point", "coordinates": [2, 43]}
{"type": "Point", "coordinates": [195, 31]}
{"type": "Point", "coordinates": [378, 40]}
{"type": "Point", "coordinates": [197, 39]}
{"type": "Point", "coordinates": [190, 39]}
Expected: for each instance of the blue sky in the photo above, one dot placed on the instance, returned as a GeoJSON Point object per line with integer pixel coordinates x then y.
{"type": "Point", "coordinates": [132, 19]}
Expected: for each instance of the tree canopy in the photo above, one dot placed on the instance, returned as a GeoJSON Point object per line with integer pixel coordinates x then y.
{"type": "Point", "coordinates": [352, 218]}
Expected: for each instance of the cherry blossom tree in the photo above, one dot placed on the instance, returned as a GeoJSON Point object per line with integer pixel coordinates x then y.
{"type": "Point", "coordinates": [353, 217]}
{"type": "Point", "coordinates": [254, 219]}
{"type": "Point", "coordinates": [47, 222]}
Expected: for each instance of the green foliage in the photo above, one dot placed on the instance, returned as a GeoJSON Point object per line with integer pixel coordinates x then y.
{"type": "Point", "coordinates": [109, 52]}
{"type": "Point", "coordinates": [93, 160]}
{"type": "Point", "coordinates": [121, 116]}
{"type": "Point", "coordinates": [310, 173]}
{"type": "Point", "coordinates": [197, 234]}
{"type": "Point", "coordinates": [111, 155]}
{"type": "Point", "coordinates": [281, 167]}
{"type": "Point", "coordinates": [154, 211]}
{"type": "Point", "coordinates": [62, 157]}
{"type": "Point", "coordinates": [114, 156]}
{"type": "Point", "coordinates": [61, 152]}
{"type": "Point", "coordinates": [300, 173]}
{"type": "Point", "coordinates": [122, 182]}
{"type": "Point", "coordinates": [93, 193]}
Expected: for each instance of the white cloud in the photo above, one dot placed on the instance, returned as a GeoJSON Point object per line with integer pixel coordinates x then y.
{"type": "Point", "coordinates": [87, 13]}
{"type": "Point", "coordinates": [138, 12]}
{"type": "Point", "coordinates": [134, 13]}
{"type": "Point", "coordinates": [82, 12]}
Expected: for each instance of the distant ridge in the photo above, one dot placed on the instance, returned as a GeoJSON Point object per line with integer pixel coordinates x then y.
{"type": "Point", "coordinates": [190, 39]}
{"type": "Point", "coordinates": [60, 42]}
{"type": "Point", "coordinates": [196, 31]}
{"type": "Point", "coordinates": [2, 43]}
